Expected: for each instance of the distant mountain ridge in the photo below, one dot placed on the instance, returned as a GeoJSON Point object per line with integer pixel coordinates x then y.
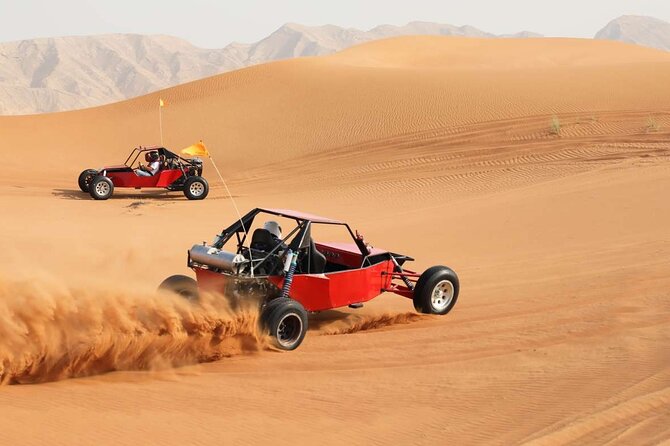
{"type": "Point", "coordinates": [640, 30]}
{"type": "Point", "coordinates": [65, 73]}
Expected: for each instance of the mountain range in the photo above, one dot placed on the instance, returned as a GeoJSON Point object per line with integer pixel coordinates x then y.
{"type": "Point", "coordinates": [640, 30]}
{"type": "Point", "coordinates": [65, 73]}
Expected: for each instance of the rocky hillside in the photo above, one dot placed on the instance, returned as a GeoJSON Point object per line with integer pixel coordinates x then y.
{"type": "Point", "coordinates": [64, 73]}
{"type": "Point", "coordinates": [640, 30]}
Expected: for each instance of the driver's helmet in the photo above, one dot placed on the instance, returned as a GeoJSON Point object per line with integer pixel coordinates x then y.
{"type": "Point", "coordinates": [273, 228]}
{"type": "Point", "coordinates": [150, 157]}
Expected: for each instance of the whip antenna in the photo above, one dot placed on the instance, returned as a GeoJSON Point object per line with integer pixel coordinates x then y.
{"type": "Point", "coordinates": [199, 149]}
{"type": "Point", "coordinates": [161, 104]}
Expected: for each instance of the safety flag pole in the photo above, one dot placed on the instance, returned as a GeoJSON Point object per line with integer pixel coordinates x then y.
{"type": "Point", "coordinates": [161, 104]}
{"type": "Point", "coordinates": [199, 149]}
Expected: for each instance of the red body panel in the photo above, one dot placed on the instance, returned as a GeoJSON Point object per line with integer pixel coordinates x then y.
{"type": "Point", "coordinates": [130, 179]}
{"type": "Point", "coordinates": [212, 282]}
{"type": "Point", "coordinates": [318, 292]}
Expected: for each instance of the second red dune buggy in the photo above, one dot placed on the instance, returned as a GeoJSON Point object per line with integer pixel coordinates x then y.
{"type": "Point", "coordinates": [296, 274]}
{"type": "Point", "coordinates": [164, 169]}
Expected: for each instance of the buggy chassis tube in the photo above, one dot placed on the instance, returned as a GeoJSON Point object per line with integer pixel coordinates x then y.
{"type": "Point", "coordinates": [398, 268]}
{"type": "Point", "coordinates": [408, 277]}
{"type": "Point", "coordinates": [400, 275]}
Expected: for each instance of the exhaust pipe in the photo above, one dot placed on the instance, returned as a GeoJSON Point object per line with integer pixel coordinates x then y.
{"type": "Point", "coordinates": [215, 258]}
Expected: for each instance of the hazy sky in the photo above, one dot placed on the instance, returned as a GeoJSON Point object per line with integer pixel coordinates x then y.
{"type": "Point", "coordinates": [211, 23]}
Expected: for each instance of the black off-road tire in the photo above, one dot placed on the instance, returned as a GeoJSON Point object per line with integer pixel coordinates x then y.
{"type": "Point", "coordinates": [85, 179]}
{"type": "Point", "coordinates": [269, 306]}
{"type": "Point", "coordinates": [436, 291]}
{"type": "Point", "coordinates": [285, 320]}
{"type": "Point", "coordinates": [196, 188]}
{"type": "Point", "coordinates": [101, 188]}
{"type": "Point", "coordinates": [185, 286]}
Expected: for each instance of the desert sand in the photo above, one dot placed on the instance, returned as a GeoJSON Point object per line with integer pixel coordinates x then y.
{"type": "Point", "coordinates": [441, 148]}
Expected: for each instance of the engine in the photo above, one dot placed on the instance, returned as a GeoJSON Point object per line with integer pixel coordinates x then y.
{"type": "Point", "coordinates": [196, 169]}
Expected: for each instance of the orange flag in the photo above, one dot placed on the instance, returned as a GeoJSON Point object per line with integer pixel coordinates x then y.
{"type": "Point", "coordinates": [197, 149]}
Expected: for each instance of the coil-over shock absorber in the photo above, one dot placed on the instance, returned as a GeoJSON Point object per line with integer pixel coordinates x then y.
{"type": "Point", "coordinates": [290, 264]}
{"type": "Point", "coordinates": [398, 269]}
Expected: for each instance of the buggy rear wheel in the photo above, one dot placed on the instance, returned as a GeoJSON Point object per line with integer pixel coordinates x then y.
{"type": "Point", "coordinates": [285, 320]}
{"type": "Point", "coordinates": [185, 286]}
{"type": "Point", "coordinates": [436, 291]}
{"type": "Point", "coordinates": [85, 179]}
{"type": "Point", "coordinates": [196, 188]}
{"type": "Point", "coordinates": [101, 188]}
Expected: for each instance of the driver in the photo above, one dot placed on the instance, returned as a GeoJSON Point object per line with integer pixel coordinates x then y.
{"type": "Point", "coordinates": [152, 168]}
{"type": "Point", "coordinates": [273, 241]}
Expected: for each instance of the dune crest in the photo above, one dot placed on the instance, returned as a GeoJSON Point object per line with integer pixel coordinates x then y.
{"type": "Point", "coordinates": [317, 105]}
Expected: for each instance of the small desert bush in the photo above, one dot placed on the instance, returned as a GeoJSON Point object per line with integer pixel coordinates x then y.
{"type": "Point", "coordinates": [555, 128]}
{"type": "Point", "coordinates": [652, 124]}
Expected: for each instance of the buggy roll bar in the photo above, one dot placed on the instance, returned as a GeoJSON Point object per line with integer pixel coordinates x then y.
{"type": "Point", "coordinates": [247, 220]}
{"type": "Point", "coordinates": [162, 151]}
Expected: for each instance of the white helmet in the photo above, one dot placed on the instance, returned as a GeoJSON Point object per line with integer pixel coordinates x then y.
{"type": "Point", "coordinates": [273, 227]}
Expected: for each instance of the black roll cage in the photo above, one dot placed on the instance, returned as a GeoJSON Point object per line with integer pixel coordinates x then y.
{"type": "Point", "coordinates": [301, 241]}
{"type": "Point", "coordinates": [162, 152]}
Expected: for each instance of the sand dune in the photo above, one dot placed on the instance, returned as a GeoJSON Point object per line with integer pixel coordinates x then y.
{"type": "Point", "coordinates": [314, 105]}
{"type": "Point", "coordinates": [444, 148]}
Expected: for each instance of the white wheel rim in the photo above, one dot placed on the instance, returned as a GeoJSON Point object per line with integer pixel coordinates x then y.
{"type": "Point", "coordinates": [197, 189]}
{"type": "Point", "coordinates": [102, 188]}
{"type": "Point", "coordinates": [442, 296]}
{"type": "Point", "coordinates": [289, 330]}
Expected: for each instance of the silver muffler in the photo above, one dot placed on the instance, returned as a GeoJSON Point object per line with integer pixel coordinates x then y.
{"type": "Point", "coordinates": [213, 257]}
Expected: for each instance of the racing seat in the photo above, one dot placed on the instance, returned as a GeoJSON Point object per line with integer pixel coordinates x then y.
{"type": "Point", "coordinates": [314, 262]}
{"type": "Point", "coordinates": [262, 240]}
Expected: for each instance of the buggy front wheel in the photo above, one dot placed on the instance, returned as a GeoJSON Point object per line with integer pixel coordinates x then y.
{"type": "Point", "coordinates": [101, 188]}
{"type": "Point", "coordinates": [196, 188]}
{"type": "Point", "coordinates": [436, 291]}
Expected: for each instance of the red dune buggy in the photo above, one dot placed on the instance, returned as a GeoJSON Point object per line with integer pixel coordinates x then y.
{"type": "Point", "coordinates": [172, 173]}
{"type": "Point", "coordinates": [296, 274]}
